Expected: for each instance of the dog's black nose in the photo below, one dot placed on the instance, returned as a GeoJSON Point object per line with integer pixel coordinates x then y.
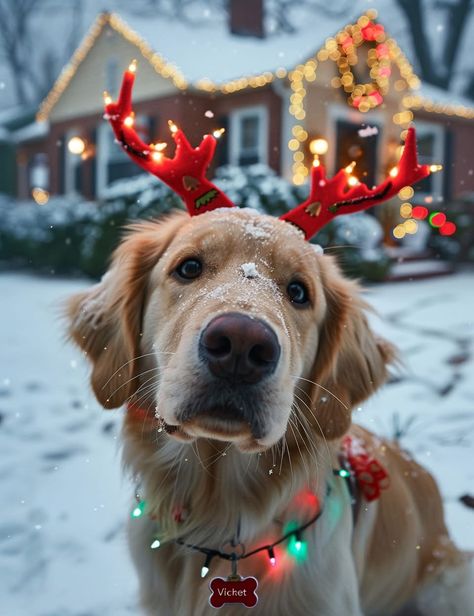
{"type": "Point", "coordinates": [239, 348]}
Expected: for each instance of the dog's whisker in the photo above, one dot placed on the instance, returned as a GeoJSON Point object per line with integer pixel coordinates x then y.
{"type": "Point", "coordinates": [136, 376]}
{"type": "Point", "coordinates": [322, 387]}
{"type": "Point", "coordinates": [310, 410]}
{"type": "Point", "coordinates": [293, 426]}
{"type": "Point", "coordinates": [134, 359]}
{"type": "Point", "coordinates": [309, 445]}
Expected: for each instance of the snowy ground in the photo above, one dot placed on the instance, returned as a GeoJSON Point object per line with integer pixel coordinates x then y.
{"type": "Point", "coordinates": [62, 544]}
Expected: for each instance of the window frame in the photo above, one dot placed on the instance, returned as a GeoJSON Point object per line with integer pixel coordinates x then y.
{"type": "Point", "coordinates": [438, 157]}
{"type": "Point", "coordinates": [235, 122]}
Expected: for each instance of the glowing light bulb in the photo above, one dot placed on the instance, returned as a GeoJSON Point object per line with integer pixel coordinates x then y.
{"type": "Point", "coordinates": [352, 180]}
{"type": "Point", "coordinates": [205, 567]}
{"type": "Point", "coordinates": [159, 147]}
{"type": "Point", "coordinates": [139, 510]}
{"type": "Point", "coordinates": [157, 156]}
{"type": "Point", "coordinates": [76, 145]}
{"type": "Point", "coordinates": [107, 98]}
{"type": "Point", "coordinates": [271, 556]}
{"type": "Point", "coordinates": [435, 168]}
{"type": "Point", "coordinates": [316, 162]}
{"type": "Point", "coordinates": [318, 146]}
{"type": "Point", "coordinates": [393, 172]}
{"type": "Point", "coordinates": [342, 472]}
{"type": "Point", "coordinates": [172, 126]}
{"type": "Point", "coordinates": [350, 168]}
{"type": "Point", "coordinates": [129, 121]}
{"type": "Point", "coordinates": [155, 544]}
{"type": "Point", "coordinates": [218, 132]}
{"type": "Point", "coordinates": [132, 67]}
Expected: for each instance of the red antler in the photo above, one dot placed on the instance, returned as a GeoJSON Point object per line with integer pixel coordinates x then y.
{"type": "Point", "coordinates": [331, 198]}
{"type": "Point", "coordinates": [185, 172]}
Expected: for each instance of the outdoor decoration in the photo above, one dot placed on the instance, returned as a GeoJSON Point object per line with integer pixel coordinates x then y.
{"type": "Point", "coordinates": [185, 172]}
{"type": "Point", "coordinates": [368, 95]}
{"type": "Point", "coordinates": [365, 478]}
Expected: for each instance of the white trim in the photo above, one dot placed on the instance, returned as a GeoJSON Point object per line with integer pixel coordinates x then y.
{"type": "Point", "coordinates": [343, 112]}
{"type": "Point", "coordinates": [235, 118]}
{"type": "Point", "coordinates": [423, 128]}
{"type": "Point", "coordinates": [102, 158]}
{"type": "Point", "coordinates": [287, 123]}
{"type": "Point", "coordinates": [71, 162]}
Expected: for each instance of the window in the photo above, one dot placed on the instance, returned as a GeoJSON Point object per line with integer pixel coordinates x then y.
{"type": "Point", "coordinates": [39, 172]}
{"type": "Point", "coordinates": [112, 162]}
{"type": "Point", "coordinates": [249, 136]}
{"type": "Point", "coordinates": [431, 147]}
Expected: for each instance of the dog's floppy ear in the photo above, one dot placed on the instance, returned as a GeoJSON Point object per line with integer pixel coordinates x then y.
{"type": "Point", "coordinates": [106, 320]}
{"type": "Point", "coordinates": [351, 362]}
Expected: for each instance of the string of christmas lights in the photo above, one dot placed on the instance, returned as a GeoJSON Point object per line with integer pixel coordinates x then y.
{"type": "Point", "coordinates": [294, 536]}
{"type": "Point", "coordinates": [307, 70]}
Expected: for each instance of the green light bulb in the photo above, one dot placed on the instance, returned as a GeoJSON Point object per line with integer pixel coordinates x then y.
{"type": "Point", "coordinates": [138, 510]}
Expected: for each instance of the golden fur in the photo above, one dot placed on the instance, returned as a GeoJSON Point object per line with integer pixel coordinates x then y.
{"type": "Point", "coordinates": [139, 328]}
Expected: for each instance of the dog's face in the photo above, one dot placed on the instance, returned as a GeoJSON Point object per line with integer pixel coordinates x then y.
{"type": "Point", "coordinates": [228, 323]}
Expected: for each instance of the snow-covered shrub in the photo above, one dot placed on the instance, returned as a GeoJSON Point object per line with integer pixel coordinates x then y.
{"type": "Point", "coordinates": [357, 240]}
{"type": "Point", "coordinates": [70, 235]}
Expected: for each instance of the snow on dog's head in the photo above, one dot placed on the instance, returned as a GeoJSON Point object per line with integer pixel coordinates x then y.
{"type": "Point", "coordinates": [228, 323]}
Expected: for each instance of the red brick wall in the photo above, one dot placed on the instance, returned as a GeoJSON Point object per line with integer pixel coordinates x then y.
{"type": "Point", "coordinates": [187, 110]}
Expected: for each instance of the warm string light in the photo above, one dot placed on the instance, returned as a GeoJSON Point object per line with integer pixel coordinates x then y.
{"type": "Point", "coordinates": [217, 134]}
{"type": "Point", "coordinates": [416, 102]}
{"type": "Point", "coordinates": [342, 49]}
{"type": "Point", "coordinates": [408, 78]}
{"type": "Point", "coordinates": [172, 126]}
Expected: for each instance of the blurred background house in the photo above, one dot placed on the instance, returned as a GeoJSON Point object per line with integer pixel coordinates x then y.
{"type": "Point", "coordinates": [341, 83]}
{"type": "Point", "coordinates": [282, 78]}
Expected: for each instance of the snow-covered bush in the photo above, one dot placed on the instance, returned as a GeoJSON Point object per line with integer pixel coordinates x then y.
{"type": "Point", "coordinates": [71, 235]}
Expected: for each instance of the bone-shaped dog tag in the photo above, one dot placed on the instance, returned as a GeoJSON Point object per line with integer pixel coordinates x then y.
{"type": "Point", "coordinates": [234, 589]}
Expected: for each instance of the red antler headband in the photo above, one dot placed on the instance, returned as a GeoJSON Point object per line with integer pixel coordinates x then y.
{"type": "Point", "coordinates": [185, 172]}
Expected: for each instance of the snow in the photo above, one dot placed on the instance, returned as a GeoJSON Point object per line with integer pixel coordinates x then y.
{"type": "Point", "coordinates": [443, 97]}
{"type": "Point", "coordinates": [35, 130]}
{"type": "Point", "coordinates": [62, 541]}
{"type": "Point", "coordinates": [249, 270]}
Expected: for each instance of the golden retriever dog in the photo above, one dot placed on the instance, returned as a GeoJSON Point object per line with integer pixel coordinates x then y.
{"type": "Point", "coordinates": [241, 351]}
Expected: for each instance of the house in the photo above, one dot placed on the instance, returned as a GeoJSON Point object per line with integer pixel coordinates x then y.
{"type": "Point", "coordinates": [344, 98]}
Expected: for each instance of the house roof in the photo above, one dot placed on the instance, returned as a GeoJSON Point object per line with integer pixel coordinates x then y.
{"type": "Point", "coordinates": [209, 58]}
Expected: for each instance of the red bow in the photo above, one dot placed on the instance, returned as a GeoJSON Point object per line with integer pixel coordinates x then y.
{"type": "Point", "coordinates": [370, 475]}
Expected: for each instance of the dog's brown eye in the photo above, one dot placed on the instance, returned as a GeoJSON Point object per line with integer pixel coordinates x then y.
{"type": "Point", "coordinates": [298, 293]}
{"type": "Point", "coordinates": [189, 269]}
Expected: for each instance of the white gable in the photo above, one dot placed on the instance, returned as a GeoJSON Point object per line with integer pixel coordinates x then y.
{"type": "Point", "coordinates": [109, 56]}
